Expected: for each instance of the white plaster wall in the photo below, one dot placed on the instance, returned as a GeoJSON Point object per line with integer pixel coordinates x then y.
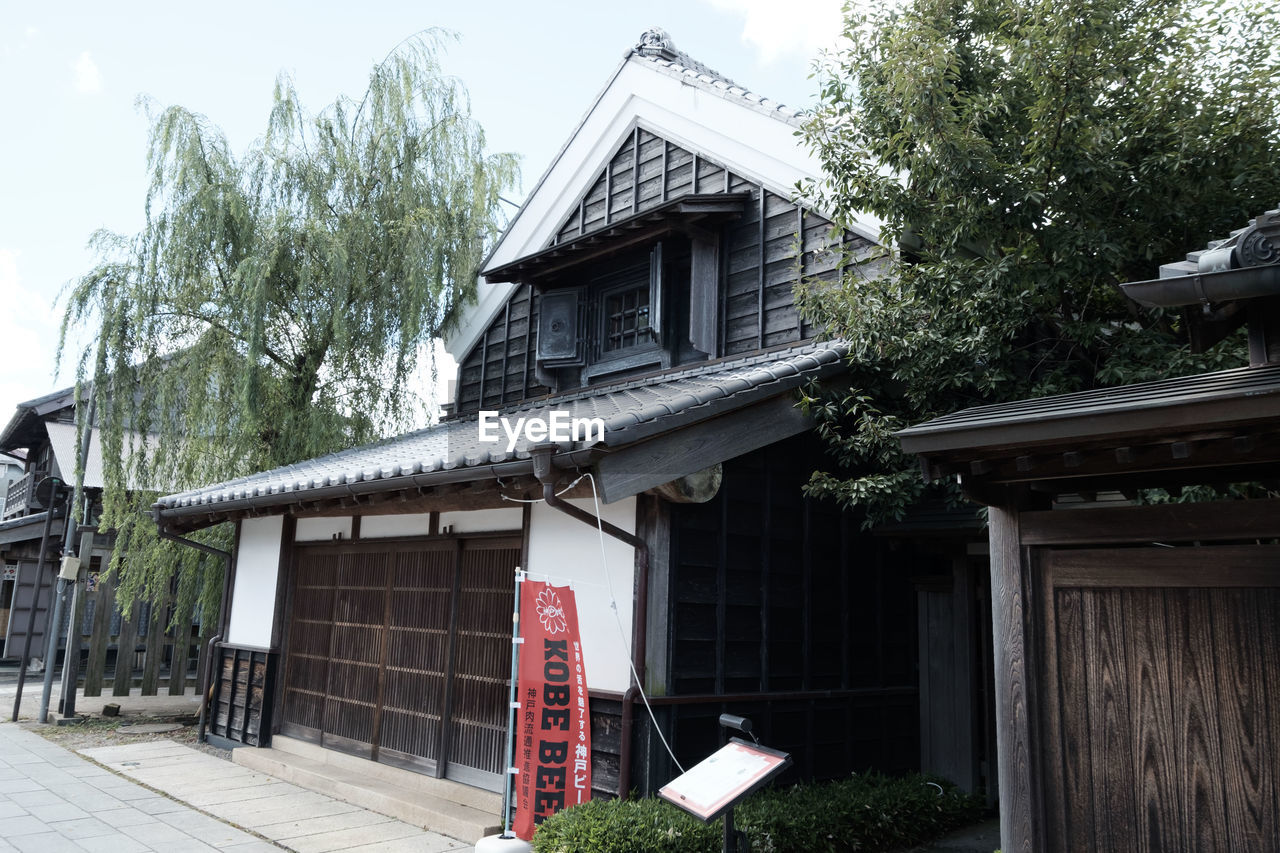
{"type": "Point", "coordinates": [419, 524]}
{"type": "Point", "coordinates": [253, 598]}
{"type": "Point", "coordinates": [321, 529]}
{"type": "Point", "coordinates": [482, 520]}
{"type": "Point", "coordinates": [564, 550]}
{"type": "Point", "coordinates": [382, 526]}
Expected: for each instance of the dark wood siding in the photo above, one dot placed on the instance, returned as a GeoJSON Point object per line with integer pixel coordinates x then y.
{"type": "Point", "coordinates": [1159, 720]}
{"type": "Point", "coordinates": [764, 254]}
{"type": "Point", "coordinates": [781, 609]}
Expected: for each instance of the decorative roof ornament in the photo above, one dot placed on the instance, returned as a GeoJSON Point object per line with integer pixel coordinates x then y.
{"type": "Point", "coordinates": [655, 42]}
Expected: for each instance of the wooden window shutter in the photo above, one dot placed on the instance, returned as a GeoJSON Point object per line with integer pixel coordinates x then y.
{"type": "Point", "coordinates": [704, 292]}
{"type": "Point", "coordinates": [560, 339]}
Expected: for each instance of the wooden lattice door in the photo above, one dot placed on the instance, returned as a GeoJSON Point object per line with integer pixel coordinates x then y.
{"type": "Point", "coordinates": [400, 652]}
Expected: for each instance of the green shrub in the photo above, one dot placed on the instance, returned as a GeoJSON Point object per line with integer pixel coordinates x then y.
{"type": "Point", "coordinates": [862, 813]}
{"type": "Point", "coordinates": [626, 826]}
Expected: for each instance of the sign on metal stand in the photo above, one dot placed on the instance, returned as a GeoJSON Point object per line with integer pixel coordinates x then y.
{"type": "Point", "coordinates": [715, 785]}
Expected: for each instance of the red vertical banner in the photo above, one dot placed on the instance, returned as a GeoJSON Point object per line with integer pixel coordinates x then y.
{"type": "Point", "coordinates": [553, 723]}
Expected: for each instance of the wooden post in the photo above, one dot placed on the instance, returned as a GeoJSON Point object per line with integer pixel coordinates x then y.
{"type": "Point", "coordinates": [178, 660]}
{"type": "Point", "coordinates": [123, 680]}
{"type": "Point", "coordinates": [1020, 823]}
{"type": "Point", "coordinates": [104, 609]}
{"type": "Point", "coordinates": [156, 623]}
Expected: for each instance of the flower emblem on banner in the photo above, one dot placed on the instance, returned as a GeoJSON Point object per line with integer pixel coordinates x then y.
{"type": "Point", "coordinates": [551, 612]}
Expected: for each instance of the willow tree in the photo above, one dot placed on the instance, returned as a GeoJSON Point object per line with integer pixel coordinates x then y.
{"type": "Point", "coordinates": [1025, 157]}
{"type": "Point", "coordinates": [278, 305]}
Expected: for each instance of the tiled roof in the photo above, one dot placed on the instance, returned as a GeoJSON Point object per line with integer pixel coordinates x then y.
{"type": "Point", "coordinates": [657, 48]}
{"type": "Point", "coordinates": [632, 409]}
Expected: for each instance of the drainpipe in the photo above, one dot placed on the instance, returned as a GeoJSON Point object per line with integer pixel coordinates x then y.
{"type": "Point", "coordinates": [222, 616]}
{"type": "Point", "coordinates": [542, 470]}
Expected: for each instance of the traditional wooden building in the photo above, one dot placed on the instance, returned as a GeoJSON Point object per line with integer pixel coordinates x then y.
{"type": "Point", "coordinates": [123, 648]}
{"type": "Point", "coordinates": [647, 282]}
{"type": "Point", "coordinates": [1138, 644]}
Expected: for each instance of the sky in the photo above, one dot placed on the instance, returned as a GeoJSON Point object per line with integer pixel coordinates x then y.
{"type": "Point", "coordinates": [72, 134]}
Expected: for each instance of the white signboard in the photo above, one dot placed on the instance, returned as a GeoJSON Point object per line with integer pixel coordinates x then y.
{"type": "Point", "coordinates": [723, 778]}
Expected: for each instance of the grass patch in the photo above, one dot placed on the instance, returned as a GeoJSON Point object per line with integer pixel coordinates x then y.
{"type": "Point", "coordinates": [862, 813]}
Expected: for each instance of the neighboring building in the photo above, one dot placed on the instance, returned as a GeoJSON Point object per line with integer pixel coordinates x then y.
{"type": "Point", "coordinates": [648, 282]}
{"type": "Point", "coordinates": [11, 469]}
{"type": "Point", "coordinates": [42, 434]}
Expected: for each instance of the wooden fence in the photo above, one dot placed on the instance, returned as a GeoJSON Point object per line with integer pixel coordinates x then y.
{"type": "Point", "coordinates": [139, 649]}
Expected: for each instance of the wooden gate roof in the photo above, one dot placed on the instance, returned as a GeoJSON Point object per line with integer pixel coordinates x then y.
{"type": "Point", "coordinates": [1228, 421]}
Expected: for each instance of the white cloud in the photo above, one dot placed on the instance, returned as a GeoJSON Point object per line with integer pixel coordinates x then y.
{"type": "Point", "coordinates": [29, 329]}
{"type": "Point", "coordinates": [774, 28]}
{"type": "Point", "coordinates": [88, 77]}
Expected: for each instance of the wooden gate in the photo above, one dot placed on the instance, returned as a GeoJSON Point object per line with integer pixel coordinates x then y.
{"type": "Point", "coordinates": [400, 652]}
{"type": "Point", "coordinates": [1163, 676]}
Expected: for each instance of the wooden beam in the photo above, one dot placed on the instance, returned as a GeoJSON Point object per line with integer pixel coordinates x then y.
{"type": "Point", "coordinates": [1222, 521]}
{"type": "Point", "coordinates": [671, 455]}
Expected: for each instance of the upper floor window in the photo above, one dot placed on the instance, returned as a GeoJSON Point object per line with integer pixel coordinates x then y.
{"type": "Point", "coordinates": [626, 318]}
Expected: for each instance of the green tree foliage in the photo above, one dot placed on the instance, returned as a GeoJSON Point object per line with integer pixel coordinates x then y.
{"type": "Point", "coordinates": [276, 305]}
{"type": "Point", "coordinates": [1026, 158]}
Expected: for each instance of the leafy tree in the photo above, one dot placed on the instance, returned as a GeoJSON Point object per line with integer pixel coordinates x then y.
{"type": "Point", "coordinates": [1024, 158]}
{"type": "Point", "coordinates": [276, 305]}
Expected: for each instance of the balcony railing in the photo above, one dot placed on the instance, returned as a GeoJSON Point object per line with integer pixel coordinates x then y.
{"type": "Point", "coordinates": [20, 497]}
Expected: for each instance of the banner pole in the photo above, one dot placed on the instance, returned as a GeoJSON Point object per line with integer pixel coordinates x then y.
{"type": "Point", "coordinates": [509, 781]}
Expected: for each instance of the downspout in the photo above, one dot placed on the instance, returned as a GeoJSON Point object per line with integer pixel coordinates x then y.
{"type": "Point", "coordinates": [542, 470]}
{"type": "Point", "coordinates": [222, 616]}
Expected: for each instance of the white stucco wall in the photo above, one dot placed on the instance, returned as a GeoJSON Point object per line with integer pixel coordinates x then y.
{"type": "Point", "coordinates": [419, 524]}
{"type": "Point", "coordinates": [383, 526]}
{"type": "Point", "coordinates": [564, 550]}
{"type": "Point", "coordinates": [254, 596]}
{"type": "Point", "coordinates": [322, 529]}
{"type": "Point", "coordinates": [482, 520]}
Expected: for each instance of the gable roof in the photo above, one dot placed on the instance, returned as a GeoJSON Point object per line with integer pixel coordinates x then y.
{"type": "Point", "coordinates": [25, 425]}
{"type": "Point", "coordinates": [671, 94]}
{"type": "Point", "coordinates": [633, 410]}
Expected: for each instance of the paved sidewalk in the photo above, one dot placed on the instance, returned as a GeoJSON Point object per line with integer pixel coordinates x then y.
{"type": "Point", "coordinates": [52, 801]}
{"type": "Point", "coordinates": [293, 817]}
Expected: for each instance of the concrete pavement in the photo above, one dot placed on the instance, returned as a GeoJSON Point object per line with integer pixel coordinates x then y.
{"type": "Point", "coordinates": [52, 800]}
{"type": "Point", "coordinates": [292, 816]}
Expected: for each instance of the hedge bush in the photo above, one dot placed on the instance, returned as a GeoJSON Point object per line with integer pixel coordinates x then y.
{"type": "Point", "coordinates": [862, 813]}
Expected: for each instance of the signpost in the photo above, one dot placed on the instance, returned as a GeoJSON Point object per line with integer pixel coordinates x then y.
{"type": "Point", "coordinates": [715, 785]}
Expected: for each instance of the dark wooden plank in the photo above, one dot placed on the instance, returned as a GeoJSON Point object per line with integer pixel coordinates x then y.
{"type": "Point", "coordinates": [1240, 631]}
{"type": "Point", "coordinates": [181, 655]}
{"type": "Point", "coordinates": [1156, 766]}
{"type": "Point", "coordinates": [1111, 737]}
{"type": "Point", "coordinates": [125, 642]}
{"type": "Point", "coordinates": [1192, 664]}
{"type": "Point", "coordinates": [1067, 742]}
{"type": "Point", "coordinates": [104, 607]}
{"type": "Point", "coordinates": [760, 270]}
{"type": "Point", "coordinates": [1226, 520]}
{"type": "Point", "coordinates": [1020, 822]}
{"type": "Point", "coordinates": [1219, 566]}
{"type": "Point", "coordinates": [1267, 642]}
{"type": "Point", "coordinates": [156, 643]}
{"type": "Point", "coordinates": [704, 287]}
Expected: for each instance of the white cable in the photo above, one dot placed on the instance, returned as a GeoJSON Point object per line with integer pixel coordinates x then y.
{"type": "Point", "coordinates": [626, 641]}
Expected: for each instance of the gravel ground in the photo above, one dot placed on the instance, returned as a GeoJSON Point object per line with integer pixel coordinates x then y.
{"type": "Point", "coordinates": [89, 732]}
